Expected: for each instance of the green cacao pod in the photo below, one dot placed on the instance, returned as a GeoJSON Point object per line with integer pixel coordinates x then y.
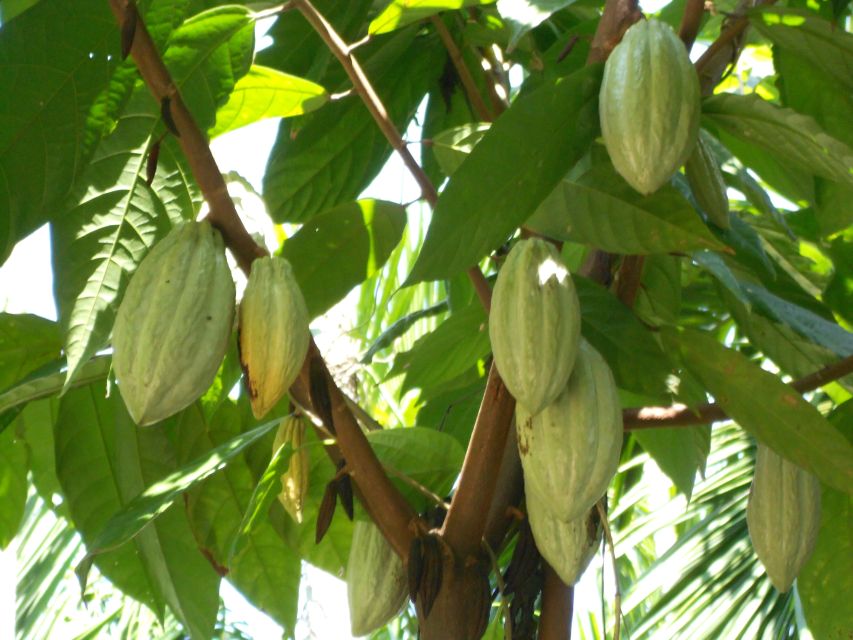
{"type": "Point", "coordinates": [706, 182]}
{"type": "Point", "coordinates": [173, 325]}
{"type": "Point", "coordinates": [534, 323]}
{"type": "Point", "coordinates": [273, 332]}
{"type": "Point", "coordinates": [570, 450]}
{"type": "Point", "coordinates": [567, 546]}
{"type": "Point", "coordinates": [783, 516]}
{"type": "Point", "coordinates": [649, 105]}
{"type": "Point", "coordinates": [377, 584]}
{"type": "Point", "coordinates": [294, 481]}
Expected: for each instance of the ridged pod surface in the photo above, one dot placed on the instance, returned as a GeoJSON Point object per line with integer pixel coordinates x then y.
{"type": "Point", "coordinates": [534, 323]}
{"type": "Point", "coordinates": [706, 182]}
{"type": "Point", "coordinates": [567, 546]}
{"type": "Point", "coordinates": [377, 585]}
{"type": "Point", "coordinates": [173, 325]}
{"type": "Point", "coordinates": [273, 332]}
{"type": "Point", "coordinates": [570, 450]}
{"type": "Point", "coordinates": [649, 105]}
{"type": "Point", "coordinates": [294, 481]}
{"type": "Point", "coordinates": [783, 516]}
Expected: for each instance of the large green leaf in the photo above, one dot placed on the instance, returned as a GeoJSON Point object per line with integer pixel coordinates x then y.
{"type": "Point", "coordinates": [637, 360]}
{"type": "Point", "coordinates": [524, 15]}
{"type": "Point", "coordinates": [768, 408]}
{"type": "Point", "coordinates": [26, 343]}
{"type": "Point", "coordinates": [13, 484]}
{"type": "Point", "coordinates": [62, 85]}
{"type": "Point", "coordinates": [341, 248]}
{"type": "Point", "coordinates": [399, 13]}
{"type": "Point", "coordinates": [115, 216]}
{"type": "Point", "coordinates": [35, 426]}
{"type": "Point", "coordinates": [267, 93]}
{"type": "Point", "coordinates": [826, 578]}
{"type": "Point", "coordinates": [329, 157]}
{"type": "Point", "coordinates": [513, 168]}
{"type": "Point", "coordinates": [265, 570]}
{"type": "Point", "coordinates": [601, 209]}
{"type": "Point", "coordinates": [679, 453]}
{"type": "Point", "coordinates": [782, 132]}
{"type": "Point", "coordinates": [823, 44]}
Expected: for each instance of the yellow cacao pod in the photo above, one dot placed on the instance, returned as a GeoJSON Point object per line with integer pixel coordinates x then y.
{"type": "Point", "coordinates": [534, 323]}
{"type": "Point", "coordinates": [783, 516]}
{"type": "Point", "coordinates": [570, 450]}
{"type": "Point", "coordinates": [649, 105]}
{"type": "Point", "coordinates": [294, 481]}
{"type": "Point", "coordinates": [568, 547]}
{"type": "Point", "coordinates": [273, 332]}
{"type": "Point", "coordinates": [377, 584]}
{"type": "Point", "coordinates": [707, 184]}
{"type": "Point", "coordinates": [173, 324]}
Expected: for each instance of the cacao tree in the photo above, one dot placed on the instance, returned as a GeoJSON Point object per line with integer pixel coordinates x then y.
{"type": "Point", "coordinates": [661, 199]}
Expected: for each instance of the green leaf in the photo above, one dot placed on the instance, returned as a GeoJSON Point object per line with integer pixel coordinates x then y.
{"type": "Point", "coordinates": [452, 146]}
{"type": "Point", "coordinates": [266, 571]}
{"type": "Point", "coordinates": [637, 360]}
{"type": "Point", "coordinates": [769, 409]}
{"type": "Point", "coordinates": [127, 522]}
{"type": "Point", "coordinates": [26, 343]}
{"type": "Point", "coordinates": [341, 248]}
{"type": "Point", "coordinates": [267, 93]}
{"type": "Point", "coordinates": [781, 132]}
{"type": "Point", "coordinates": [659, 295]}
{"type": "Point", "coordinates": [456, 345]}
{"type": "Point", "coordinates": [826, 578]}
{"type": "Point", "coordinates": [399, 327]}
{"type": "Point", "coordinates": [329, 157]}
{"type": "Point", "coordinates": [679, 453]}
{"type": "Point", "coordinates": [13, 485]}
{"type": "Point", "coordinates": [599, 208]}
{"type": "Point", "coordinates": [823, 44]}
{"type": "Point", "coordinates": [514, 167]}
{"type": "Point", "coordinates": [35, 426]}
{"type": "Point", "coordinates": [524, 15]}
{"type": "Point", "coordinates": [399, 13]}
{"type": "Point", "coordinates": [62, 85]}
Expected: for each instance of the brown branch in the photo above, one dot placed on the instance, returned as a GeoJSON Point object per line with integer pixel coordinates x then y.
{"type": "Point", "coordinates": [462, 70]}
{"type": "Point", "coordinates": [193, 142]}
{"type": "Point", "coordinates": [364, 88]}
{"type": "Point", "coordinates": [691, 19]}
{"type": "Point", "coordinates": [617, 17]}
{"type": "Point", "coordinates": [555, 621]}
{"type": "Point", "coordinates": [681, 416]}
{"type": "Point", "coordinates": [629, 278]}
{"type": "Point", "coordinates": [381, 496]}
{"type": "Point", "coordinates": [465, 524]}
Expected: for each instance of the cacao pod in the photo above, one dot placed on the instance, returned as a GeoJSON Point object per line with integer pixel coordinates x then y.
{"type": "Point", "coordinates": [273, 332]}
{"type": "Point", "coordinates": [534, 323]}
{"type": "Point", "coordinates": [570, 450]}
{"type": "Point", "coordinates": [568, 547]}
{"type": "Point", "coordinates": [376, 580]}
{"type": "Point", "coordinates": [649, 105]}
{"type": "Point", "coordinates": [783, 516]}
{"type": "Point", "coordinates": [294, 481]}
{"type": "Point", "coordinates": [173, 324]}
{"type": "Point", "coordinates": [706, 182]}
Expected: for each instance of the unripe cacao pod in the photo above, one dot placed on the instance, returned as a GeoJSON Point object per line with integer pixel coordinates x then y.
{"type": "Point", "coordinates": [783, 516]}
{"type": "Point", "coordinates": [706, 182]}
{"type": "Point", "coordinates": [534, 323]}
{"type": "Point", "coordinates": [570, 450]}
{"type": "Point", "coordinates": [377, 585]}
{"type": "Point", "coordinates": [173, 324]}
{"type": "Point", "coordinates": [568, 547]}
{"type": "Point", "coordinates": [273, 332]}
{"type": "Point", "coordinates": [294, 481]}
{"type": "Point", "coordinates": [649, 105]}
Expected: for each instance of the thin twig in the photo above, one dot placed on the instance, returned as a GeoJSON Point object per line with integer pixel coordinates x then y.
{"type": "Point", "coordinates": [735, 28]}
{"type": "Point", "coordinates": [691, 19]}
{"type": "Point", "coordinates": [617, 600]}
{"type": "Point", "coordinates": [417, 486]}
{"type": "Point", "coordinates": [499, 579]}
{"type": "Point", "coordinates": [682, 416]}
{"type": "Point", "coordinates": [462, 70]}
